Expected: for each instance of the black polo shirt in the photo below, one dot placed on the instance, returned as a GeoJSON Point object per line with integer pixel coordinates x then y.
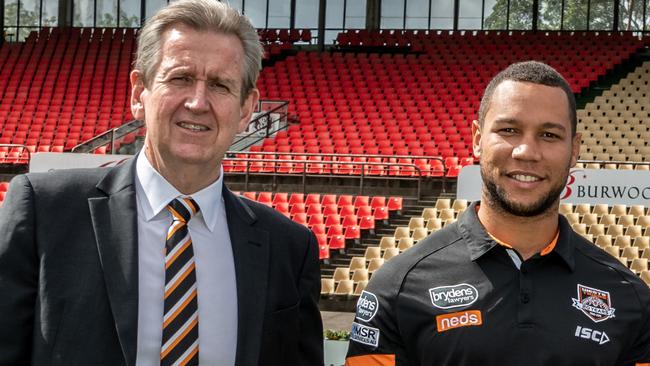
{"type": "Point", "coordinates": [459, 298]}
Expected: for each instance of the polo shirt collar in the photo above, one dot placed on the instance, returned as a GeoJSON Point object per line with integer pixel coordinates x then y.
{"type": "Point", "coordinates": [159, 192]}
{"type": "Point", "coordinates": [480, 242]}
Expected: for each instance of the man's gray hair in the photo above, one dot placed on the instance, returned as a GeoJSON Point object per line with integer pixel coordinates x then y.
{"type": "Point", "coordinates": [200, 15]}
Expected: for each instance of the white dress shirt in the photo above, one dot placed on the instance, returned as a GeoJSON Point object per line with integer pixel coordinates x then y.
{"type": "Point", "coordinates": [215, 268]}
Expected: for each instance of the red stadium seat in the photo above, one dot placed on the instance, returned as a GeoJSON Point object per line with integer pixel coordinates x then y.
{"type": "Point", "coordinates": [394, 204]}
{"type": "Point", "coordinates": [337, 242]}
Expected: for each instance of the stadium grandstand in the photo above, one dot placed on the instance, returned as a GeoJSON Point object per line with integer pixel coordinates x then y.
{"type": "Point", "coordinates": [364, 127]}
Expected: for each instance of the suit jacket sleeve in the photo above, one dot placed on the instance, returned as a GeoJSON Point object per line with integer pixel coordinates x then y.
{"type": "Point", "coordinates": [18, 273]}
{"type": "Point", "coordinates": [311, 332]}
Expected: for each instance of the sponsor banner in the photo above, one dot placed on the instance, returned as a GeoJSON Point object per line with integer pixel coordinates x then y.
{"type": "Point", "coordinates": [608, 186]}
{"type": "Point", "coordinates": [367, 306]}
{"type": "Point", "coordinates": [364, 334]}
{"type": "Point", "coordinates": [448, 297]}
{"type": "Point", "coordinates": [467, 318]}
{"type": "Point", "coordinates": [46, 161]}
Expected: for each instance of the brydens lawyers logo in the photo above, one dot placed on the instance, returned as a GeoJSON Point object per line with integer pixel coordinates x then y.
{"type": "Point", "coordinates": [367, 306]}
{"type": "Point", "coordinates": [455, 296]}
{"type": "Point", "coordinates": [594, 303]}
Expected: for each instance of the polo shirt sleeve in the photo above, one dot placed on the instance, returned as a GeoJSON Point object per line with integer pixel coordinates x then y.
{"type": "Point", "coordinates": [375, 339]}
{"type": "Point", "coordinates": [638, 354]}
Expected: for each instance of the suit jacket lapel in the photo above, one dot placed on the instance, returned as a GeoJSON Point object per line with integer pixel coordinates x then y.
{"type": "Point", "coordinates": [251, 254]}
{"type": "Point", "coordinates": [114, 219]}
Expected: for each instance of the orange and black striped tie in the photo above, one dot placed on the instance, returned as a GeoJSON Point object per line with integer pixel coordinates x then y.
{"type": "Point", "coordinates": [180, 340]}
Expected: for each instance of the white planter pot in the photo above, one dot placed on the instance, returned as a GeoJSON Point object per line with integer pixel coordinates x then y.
{"type": "Point", "coordinates": [335, 352]}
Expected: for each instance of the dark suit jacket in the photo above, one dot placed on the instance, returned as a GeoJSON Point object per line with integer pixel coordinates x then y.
{"type": "Point", "coordinates": [69, 274]}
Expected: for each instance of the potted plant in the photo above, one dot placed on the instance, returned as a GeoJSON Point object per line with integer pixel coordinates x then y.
{"type": "Point", "coordinates": [336, 346]}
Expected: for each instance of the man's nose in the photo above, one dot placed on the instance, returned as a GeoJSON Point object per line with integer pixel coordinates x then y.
{"type": "Point", "coordinates": [527, 149]}
{"type": "Point", "coordinates": [197, 101]}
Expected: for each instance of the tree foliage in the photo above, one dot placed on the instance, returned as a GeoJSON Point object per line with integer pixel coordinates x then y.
{"type": "Point", "coordinates": [578, 15]}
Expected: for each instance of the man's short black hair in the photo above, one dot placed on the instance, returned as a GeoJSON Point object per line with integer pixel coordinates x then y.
{"type": "Point", "coordinates": [530, 72]}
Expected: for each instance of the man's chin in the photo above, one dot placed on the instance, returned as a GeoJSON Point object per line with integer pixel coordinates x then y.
{"type": "Point", "coordinates": [521, 210]}
{"type": "Point", "coordinates": [520, 206]}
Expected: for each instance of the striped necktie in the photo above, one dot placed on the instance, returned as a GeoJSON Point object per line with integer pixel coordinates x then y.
{"type": "Point", "coordinates": [180, 340]}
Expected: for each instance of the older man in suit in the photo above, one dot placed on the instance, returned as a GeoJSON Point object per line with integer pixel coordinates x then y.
{"type": "Point", "coordinates": [155, 261]}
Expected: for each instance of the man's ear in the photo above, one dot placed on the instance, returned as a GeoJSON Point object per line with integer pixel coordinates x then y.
{"type": "Point", "coordinates": [476, 138]}
{"type": "Point", "coordinates": [575, 149]}
{"type": "Point", "coordinates": [137, 88]}
{"type": "Point", "coordinates": [247, 109]}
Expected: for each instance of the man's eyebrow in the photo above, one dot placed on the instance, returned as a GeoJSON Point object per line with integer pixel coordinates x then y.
{"type": "Point", "coordinates": [506, 121]}
{"type": "Point", "coordinates": [551, 125]}
{"type": "Point", "coordinates": [221, 80]}
{"type": "Point", "coordinates": [545, 125]}
{"type": "Point", "coordinates": [165, 71]}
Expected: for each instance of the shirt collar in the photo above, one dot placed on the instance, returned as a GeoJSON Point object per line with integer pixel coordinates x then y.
{"type": "Point", "coordinates": [159, 192]}
{"type": "Point", "coordinates": [480, 242]}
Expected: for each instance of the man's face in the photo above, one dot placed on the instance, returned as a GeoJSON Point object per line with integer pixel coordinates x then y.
{"type": "Point", "coordinates": [526, 148]}
{"type": "Point", "coordinates": [192, 108]}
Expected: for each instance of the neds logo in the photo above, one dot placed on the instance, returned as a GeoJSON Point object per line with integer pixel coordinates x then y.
{"type": "Point", "coordinates": [459, 319]}
{"type": "Point", "coordinates": [447, 297]}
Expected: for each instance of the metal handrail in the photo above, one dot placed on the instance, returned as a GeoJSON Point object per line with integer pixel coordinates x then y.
{"type": "Point", "coordinates": [24, 147]}
{"type": "Point", "coordinates": [353, 166]}
{"type": "Point", "coordinates": [108, 137]}
{"type": "Point", "coordinates": [264, 121]}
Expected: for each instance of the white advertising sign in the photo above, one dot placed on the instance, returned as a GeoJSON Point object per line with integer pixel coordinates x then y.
{"type": "Point", "coordinates": [46, 161]}
{"type": "Point", "coordinates": [628, 187]}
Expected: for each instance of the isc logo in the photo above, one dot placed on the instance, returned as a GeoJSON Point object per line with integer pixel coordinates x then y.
{"type": "Point", "coordinates": [594, 335]}
{"type": "Point", "coordinates": [459, 319]}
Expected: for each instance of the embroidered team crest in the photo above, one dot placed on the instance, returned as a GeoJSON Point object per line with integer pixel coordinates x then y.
{"type": "Point", "coordinates": [594, 303]}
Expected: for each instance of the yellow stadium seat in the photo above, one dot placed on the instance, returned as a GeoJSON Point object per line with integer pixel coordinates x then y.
{"type": "Point", "coordinates": [326, 286]}
{"type": "Point", "coordinates": [341, 274]}
{"type": "Point", "coordinates": [358, 289]}
{"type": "Point", "coordinates": [387, 242]}
{"type": "Point", "coordinates": [390, 253]}
{"type": "Point", "coordinates": [608, 219]}
{"type": "Point", "coordinates": [357, 263]}
{"type": "Point", "coordinates": [372, 252]}
{"type": "Point", "coordinates": [374, 264]}
{"type": "Point", "coordinates": [429, 213]}
{"type": "Point", "coordinates": [345, 288]}
{"type": "Point", "coordinates": [613, 250]}
{"type": "Point", "coordinates": [442, 203]}
{"type": "Point", "coordinates": [419, 234]}
{"type": "Point", "coordinates": [401, 232]}
{"type": "Point", "coordinates": [630, 253]}
{"type": "Point", "coordinates": [405, 243]}
{"type": "Point", "coordinates": [416, 222]}
{"type": "Point", "coordinates": [360, 274]}
{"type": "Point", "coordinates": [639, 265]}
{"type": "Point", "coordinates": [622, 241]}
{"type": "Point", "coordinates": [604, 240]}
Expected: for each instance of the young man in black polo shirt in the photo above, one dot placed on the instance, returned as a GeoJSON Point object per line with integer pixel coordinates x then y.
{"type": "Point", "coordinates": [509, 283]}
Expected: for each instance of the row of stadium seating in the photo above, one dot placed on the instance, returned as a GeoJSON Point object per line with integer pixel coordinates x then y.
{"type": "Point", "coordinates": [628, 240]}
{"type": "Point", "coordinates": [615, 126]}
{"type": "Point", "coordinates": [333, 219]}
{"type": "Point", "coordinates": [272, 35]}
{"type": "Point", "coordinates": [62, 87]}
{"type": "Point", "coordinates": [360, 161]}
{"type": "Point", "coordinates": [346, 103]}
{"type": "Point", "coordinates": [417, 103]}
